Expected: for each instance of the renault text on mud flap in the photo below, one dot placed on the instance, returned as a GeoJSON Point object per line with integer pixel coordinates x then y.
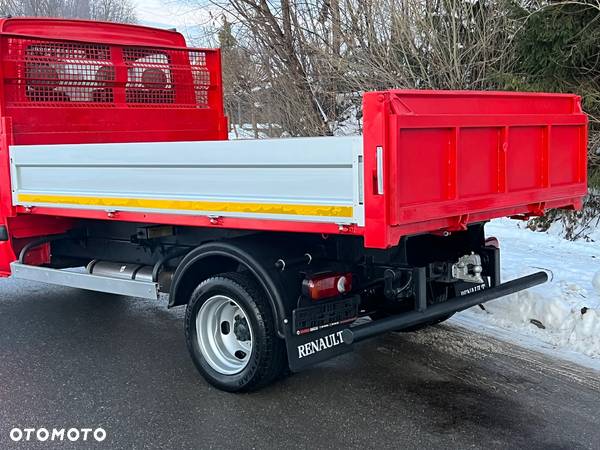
{"type": "Point", "coordinates": [318, 345]}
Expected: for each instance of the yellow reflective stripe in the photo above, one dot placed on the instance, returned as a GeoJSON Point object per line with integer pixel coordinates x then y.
{"type": "Point", "coordinates": [189, 205]}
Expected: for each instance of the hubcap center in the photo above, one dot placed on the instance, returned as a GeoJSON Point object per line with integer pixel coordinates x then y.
{"type": "Point", "coordinates": [241, 329]}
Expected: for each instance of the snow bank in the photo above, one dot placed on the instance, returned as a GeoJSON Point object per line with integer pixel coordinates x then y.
{"type": "Point", "coordinates": [551, 318]}
{"type": "Point", "coordinates": [565, 312]}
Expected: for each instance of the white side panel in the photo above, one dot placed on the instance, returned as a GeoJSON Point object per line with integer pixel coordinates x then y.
{"type": "Point", "coordinates": [302, 179]}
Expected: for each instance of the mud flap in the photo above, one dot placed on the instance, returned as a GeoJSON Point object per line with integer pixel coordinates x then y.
{"type": "Point", "coordinates": [308, 349]}
{"type": "Point", "coordinates": [315, 334]}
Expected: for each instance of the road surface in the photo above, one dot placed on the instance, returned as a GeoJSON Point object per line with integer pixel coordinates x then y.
{"type": "Point", "coordinates": [72, 358]}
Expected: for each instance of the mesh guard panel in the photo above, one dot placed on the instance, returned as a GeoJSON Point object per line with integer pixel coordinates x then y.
{"type": "Point", "coordinates": [156, 77]}
{"type": "Point", "coordinates": [58, 91]}
{"type": "Point", "coordinates": [48, 73]}
{"type": "Point", "coordinates": [69, 74]}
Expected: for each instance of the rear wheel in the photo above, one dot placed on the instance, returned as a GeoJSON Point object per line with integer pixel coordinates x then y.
{"type": "Point", "coordinates": [230, 333]}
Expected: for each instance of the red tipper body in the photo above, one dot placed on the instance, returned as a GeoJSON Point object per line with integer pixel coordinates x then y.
{"type": "Point", "coordinates": [434, 161]}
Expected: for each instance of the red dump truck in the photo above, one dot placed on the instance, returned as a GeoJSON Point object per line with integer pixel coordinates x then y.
{"type": "Point", "coordinates": [116, 175]}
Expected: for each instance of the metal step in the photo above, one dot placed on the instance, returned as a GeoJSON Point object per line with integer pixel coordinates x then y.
{"type": "Point", "coordinates": [83, 280]}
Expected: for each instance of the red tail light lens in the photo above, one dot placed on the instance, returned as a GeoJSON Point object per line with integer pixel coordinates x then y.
{"type": "Point", "coordinates": [327, 285]}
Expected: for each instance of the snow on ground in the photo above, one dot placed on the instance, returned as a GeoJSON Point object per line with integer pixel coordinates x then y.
{"type": "Point", "coordinates": [246, 131]}
{"type": "Point", "coordinates": [566, 309]}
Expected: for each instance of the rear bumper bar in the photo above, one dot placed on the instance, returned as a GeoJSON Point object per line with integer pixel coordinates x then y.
{"type": "Point", "coordinates": [431, 313]}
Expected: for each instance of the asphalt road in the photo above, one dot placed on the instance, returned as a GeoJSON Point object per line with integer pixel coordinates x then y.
{"type": "Point", "coordinates": [71, 358]}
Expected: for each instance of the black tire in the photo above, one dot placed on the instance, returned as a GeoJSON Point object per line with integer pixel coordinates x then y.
{"type": "Point", "coordinates": [267, 359]}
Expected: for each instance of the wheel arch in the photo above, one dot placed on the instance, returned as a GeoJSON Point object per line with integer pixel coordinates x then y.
{"type": "Point", "coordinates": [213, 258]}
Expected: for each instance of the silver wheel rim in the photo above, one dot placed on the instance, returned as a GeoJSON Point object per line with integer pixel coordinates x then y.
{"type": "Point", "coordinates": [224, 335]}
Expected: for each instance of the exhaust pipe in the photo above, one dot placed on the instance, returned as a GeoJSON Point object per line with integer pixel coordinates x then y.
{"type": "Point", "coordinates": [362, 332]}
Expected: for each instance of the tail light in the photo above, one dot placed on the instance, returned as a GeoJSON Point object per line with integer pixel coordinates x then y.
{"type": "Point", "coordinates": [492, 242]}
{"type": "Point", "coordinates": [327, 285]}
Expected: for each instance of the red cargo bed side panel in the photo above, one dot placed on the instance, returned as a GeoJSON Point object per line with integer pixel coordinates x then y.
{"type": "Point", "coordinates": [413, 186]}
{"type": "Point", "coordinates": [451, 158]}
{"type": "Point", "coordinates": [487, 141]}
